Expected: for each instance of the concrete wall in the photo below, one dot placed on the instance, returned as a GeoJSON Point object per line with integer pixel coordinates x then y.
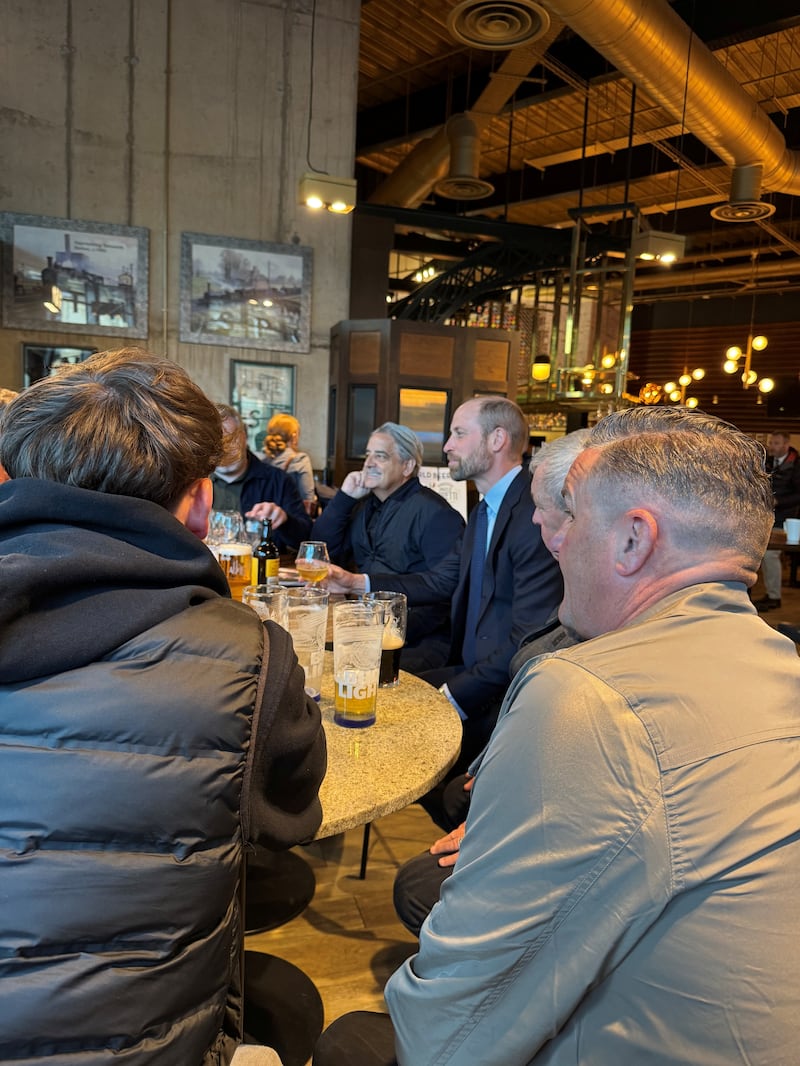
{"type": "Point", "coordinates": [185, 115]}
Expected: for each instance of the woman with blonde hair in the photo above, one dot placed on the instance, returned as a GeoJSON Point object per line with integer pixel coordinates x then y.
{"type": "Point", "coordinates": [280, 449]}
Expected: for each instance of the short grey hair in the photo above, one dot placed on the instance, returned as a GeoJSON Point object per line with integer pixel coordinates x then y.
{"type": "Point", "coordinates": [406, 441]}
{"type": "Point", "coordinates": [499, 412]}
{"type": "Point", "coordinates": [710, 473]}
{"type": "Point", "coordinates": [554, 458]}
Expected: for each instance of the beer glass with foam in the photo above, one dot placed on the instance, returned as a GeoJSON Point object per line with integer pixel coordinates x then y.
{"type": "Point", "coordinates": [394, 634]}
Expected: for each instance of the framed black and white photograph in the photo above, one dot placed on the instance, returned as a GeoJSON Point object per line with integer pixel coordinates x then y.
{"type": "Point", "coordinates": [72, 276]}
{"type": "Point", "coordinates": [259, 391]}
{"type": "Point", "coordinates": [40, 361]}
{"type": "Point", "coordinates": [246, 294]}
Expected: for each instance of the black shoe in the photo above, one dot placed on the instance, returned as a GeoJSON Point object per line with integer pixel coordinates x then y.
{"type": "Point", "coordinates": [792, 632]}
{"type": "Point", "coordinates": [766, 604]}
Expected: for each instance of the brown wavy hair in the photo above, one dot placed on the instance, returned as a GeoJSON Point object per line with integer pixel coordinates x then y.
{"type": "Point", "coordinates": [124, 422]}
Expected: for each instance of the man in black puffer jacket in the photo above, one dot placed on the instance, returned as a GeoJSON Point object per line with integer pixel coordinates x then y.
{"type": "Point", "coordinates": [138, 751]}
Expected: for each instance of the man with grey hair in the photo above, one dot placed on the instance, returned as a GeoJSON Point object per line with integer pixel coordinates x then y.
{"type": "Point", "coordinates": [637, 901]}
{"type": "Point", "coordinates": [419, 881]}
{"type": "Point", "coordinates": [383, 520]}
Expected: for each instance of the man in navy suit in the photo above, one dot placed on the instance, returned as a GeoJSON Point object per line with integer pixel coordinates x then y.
{"type": "Point", "coordinates": [519, 587]}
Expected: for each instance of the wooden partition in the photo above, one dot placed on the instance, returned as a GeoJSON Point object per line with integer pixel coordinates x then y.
{"type": "Point", "coordinates": [379, 366]}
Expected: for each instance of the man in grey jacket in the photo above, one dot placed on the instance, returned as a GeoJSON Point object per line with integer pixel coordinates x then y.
{"type": "Point", "coordinates": [626, 891]}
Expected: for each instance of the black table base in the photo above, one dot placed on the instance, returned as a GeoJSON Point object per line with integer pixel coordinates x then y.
{"type": "Point", "coordinates": [282, 1008]}
{"type": "Point", "coordinates": [279, 886]}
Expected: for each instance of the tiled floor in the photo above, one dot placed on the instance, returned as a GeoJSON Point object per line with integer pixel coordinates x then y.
{"type": "Point", "coordinates": [349, 940]}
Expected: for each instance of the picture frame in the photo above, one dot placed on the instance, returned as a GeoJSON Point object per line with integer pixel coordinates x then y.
{"type": "Point", "coordinates": [258, 391]}
{"type": "Point", "coordinates": [41, 360]}
{"type": "Point", "coordinates": [73, 276]}
{"type": "Point", "coordinates": [245, 293]}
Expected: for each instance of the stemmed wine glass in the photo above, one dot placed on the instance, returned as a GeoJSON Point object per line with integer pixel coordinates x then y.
{"type": "Point", "coordinates": [312, 561]}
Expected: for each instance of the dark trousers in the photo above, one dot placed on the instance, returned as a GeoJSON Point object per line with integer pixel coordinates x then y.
{"type": "Point", "coordinates": [361, 1038]}
{"type": "Point", "coordinates": [419, 881]}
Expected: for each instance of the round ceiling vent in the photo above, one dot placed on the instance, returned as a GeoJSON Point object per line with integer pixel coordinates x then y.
{"type": "Point", "coordinates": [497, 24]}
{"type": "Point", "coordinates": [463, 187]}
{"type": "Point", "coordinates": [743, 211]}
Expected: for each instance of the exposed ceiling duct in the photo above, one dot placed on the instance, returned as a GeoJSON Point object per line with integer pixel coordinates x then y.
{"type": "Point", "coordinates": [497, 24]}
{"type": "Point", "coordinates": [649, 43]}
{"type": "Point", "coordinates": [463, 181]}
{"type": "Point", "coordinates": [427, 163]}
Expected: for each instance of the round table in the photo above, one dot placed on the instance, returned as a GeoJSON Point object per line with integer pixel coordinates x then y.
{"type": "Point", "coordinates": [374, 771]}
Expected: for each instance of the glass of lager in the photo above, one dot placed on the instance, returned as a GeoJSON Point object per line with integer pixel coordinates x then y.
{"type": "Point", "coordinates": [357, 645]}
{"type": "Point", "coordinates": [394, 634]}
{"type": "Point", "coordinates": [236, 562]}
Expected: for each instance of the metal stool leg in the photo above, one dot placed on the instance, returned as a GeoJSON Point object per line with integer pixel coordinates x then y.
{"type": "Point", "coordinates": [364, 852]}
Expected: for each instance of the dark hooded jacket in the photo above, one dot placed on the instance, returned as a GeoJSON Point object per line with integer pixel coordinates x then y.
{"type": "Point", "coordinates": [128, 684]}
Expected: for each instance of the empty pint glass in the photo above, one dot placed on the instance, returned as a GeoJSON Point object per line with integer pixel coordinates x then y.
{"type": "Point", "coordinates": [308, 619]}
{"type": "Point", "coordinates": [269, 603]}
{"type": "Point", "coordinates": [357, 645]}
{"type": "Point", "coordinates": [394, 634]}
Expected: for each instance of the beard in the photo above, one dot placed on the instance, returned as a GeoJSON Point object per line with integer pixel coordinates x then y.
{"type": "Point", "coordinates": [472, 465]}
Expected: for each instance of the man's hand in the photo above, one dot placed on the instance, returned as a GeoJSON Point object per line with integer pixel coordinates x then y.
{"type": "Point", "coordinates": [339, 580]}
{"type": "Point", "coordinates": [262, 511]}
{"type": "Point", "coordinates": [353, 485]}
{"type": "Point", "coordinates": [448, 846]}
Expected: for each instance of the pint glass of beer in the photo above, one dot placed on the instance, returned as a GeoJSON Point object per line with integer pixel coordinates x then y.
{"type": "Point", "coordinates": [236, 562]}
{"type": "Point", "coordinates": [394, 634]}
{"type": "Point", "coordinates": [357, 644]}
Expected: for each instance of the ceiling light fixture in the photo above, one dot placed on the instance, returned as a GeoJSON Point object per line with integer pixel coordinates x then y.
{"type": "Point", "coordinates": [540, 368]}
{"type": "Point", "coordinates": [320, 190]}
{"type": "Point", "coordinates": [737, 360]}
{"type": "Point", "coordinates": [657, 246]}
{"type": "Point", "coordinates": [676, 390]}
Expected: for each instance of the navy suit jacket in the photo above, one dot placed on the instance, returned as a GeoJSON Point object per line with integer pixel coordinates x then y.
{"type": "Point", "coordinates": [521, 590]}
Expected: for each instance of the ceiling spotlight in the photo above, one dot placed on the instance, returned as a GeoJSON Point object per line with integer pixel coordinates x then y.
{"type": "Point", "coordinates": [320, 190]}
{"type": "Point", "coordinates": [656, 246]}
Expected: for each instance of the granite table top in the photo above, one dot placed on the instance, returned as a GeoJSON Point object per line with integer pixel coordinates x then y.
{"type": "Point", "coordinates": [374, 771]}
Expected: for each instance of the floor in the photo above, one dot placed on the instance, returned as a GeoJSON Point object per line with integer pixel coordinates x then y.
{"type": "Point", "coordinates": [348, 940]}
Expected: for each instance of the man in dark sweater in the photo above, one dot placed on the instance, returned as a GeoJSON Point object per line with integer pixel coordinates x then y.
{"type": "Point", "coordinates": [150, 726]}
{"type": "Point", "coordinates": [383, 520]}
{"type": "Point", "coordinates": [241, 482]}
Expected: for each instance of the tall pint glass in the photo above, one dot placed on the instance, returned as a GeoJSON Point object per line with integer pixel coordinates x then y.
{"type": "Point", "coordinates": [308, 619]}
{"type": "Point", "coordinates": [357, 643]}
{"type": "Point", "coordinates": [394, 634]}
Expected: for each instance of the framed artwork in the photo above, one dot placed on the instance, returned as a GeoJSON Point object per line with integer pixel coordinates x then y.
{"type": "Point", "coordinates": [74, 277]}
{"type": "Point", "coordinates": [258, 391]}
{"type": "Point", "coordinates": [40, 361]}
{"type": "Point", "coordinates": [245, 294]}
{"type": "Point", "coordinates": [427, 412]}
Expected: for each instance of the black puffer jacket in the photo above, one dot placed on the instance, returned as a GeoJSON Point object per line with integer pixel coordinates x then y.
{"type": "Point", "coordinates": [127, 690]}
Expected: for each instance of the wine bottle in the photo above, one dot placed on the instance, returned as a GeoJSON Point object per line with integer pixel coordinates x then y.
{"type": "Point", "coordinates": [267, 557]}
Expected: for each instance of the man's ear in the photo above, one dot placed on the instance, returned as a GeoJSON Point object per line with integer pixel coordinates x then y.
{"type": "Point", "coordinates": [636, 534]}
{"type": "Point", "coordinates": [194, 507]}
{"type": "Point", "coordinates": [497, 439]}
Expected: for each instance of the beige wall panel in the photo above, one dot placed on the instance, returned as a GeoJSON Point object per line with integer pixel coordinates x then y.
{"type": "Point", "coordinates": [365, 353]}
{"type": "Point", "coordinates": [426, 356]}
{"type": "Point", "coordinates": [236, 88]}
{"type": "Point", "coordinates": [491, 361]}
